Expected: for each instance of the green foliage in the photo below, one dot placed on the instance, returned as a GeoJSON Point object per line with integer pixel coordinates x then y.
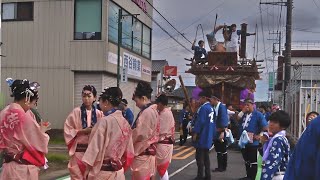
{"type": "Point", "coordinates": [57, 157]}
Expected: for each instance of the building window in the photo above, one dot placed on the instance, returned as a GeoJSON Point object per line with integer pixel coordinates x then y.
{"type": "Point", "coordinates": [146, 43]}
{"type": "Point", "coordinates": [127, 30]}
{"type": "Point", "coordinates": [87, 19]}
{"type": "Point", "coordinates": [135, 35]}
{"type": "Point", "coordinates": [18, 11]}
{"type": "Point", "coordinates": [113, 22]}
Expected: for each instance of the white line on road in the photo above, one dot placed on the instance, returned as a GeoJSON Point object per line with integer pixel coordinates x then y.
{"type": "Point", "coordinates": [179, 170]}
{"type": "Point", "coordinates": [185, 166]}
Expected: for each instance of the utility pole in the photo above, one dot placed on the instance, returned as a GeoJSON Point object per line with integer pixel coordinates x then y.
{"type": "Point", "coordinates": [287, 53]}
{"type": "Point", "coordinates": [120, 16]}
{"type": "Point", "coordinates": [119, 45]}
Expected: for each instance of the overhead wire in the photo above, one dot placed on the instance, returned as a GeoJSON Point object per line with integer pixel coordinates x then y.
{"type": "Point", "coordinates": [200, 19]}
{"type": "Point", "coordinates": [316, 4]}
{"type": "Point", "coordinates": [263, 41]}
{"type": "Point", "coordinates": [164, 30]}
{"type": "Point", "coordinates": [168, 22]}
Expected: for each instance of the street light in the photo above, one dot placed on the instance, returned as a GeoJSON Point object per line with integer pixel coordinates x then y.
{"type": "Point", "coordinates": [120, 42]}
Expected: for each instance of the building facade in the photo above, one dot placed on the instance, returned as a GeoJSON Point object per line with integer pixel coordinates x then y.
{"type": "Point", "coordinates": [305, 72]}
{"type": "Point", "coordinates": [66, 44]}
{"type": "Point", "coordinates": [157, 77]}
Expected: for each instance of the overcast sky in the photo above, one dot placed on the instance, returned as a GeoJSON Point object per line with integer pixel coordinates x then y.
{"type": "Point", "coordinates": [185, 15]}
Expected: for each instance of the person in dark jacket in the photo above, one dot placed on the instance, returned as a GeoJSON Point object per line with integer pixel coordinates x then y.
{"type": "Point", "coordinates": [184, 118]}
{"type": "Point", "coordinates": [203, 134]}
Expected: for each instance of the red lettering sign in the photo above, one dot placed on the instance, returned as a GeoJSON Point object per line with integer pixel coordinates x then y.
{"type": "Point", "coordinates": [141, 4]}
{"type": "Point", "coordinates": [170, 70]}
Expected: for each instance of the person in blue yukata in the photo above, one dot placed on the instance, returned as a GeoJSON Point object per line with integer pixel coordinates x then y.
{"type": "Point", "coordinates": [220, 141]}
{"type": "Point", "coordinates": [127, 112]}
{"type": "Point", "coordinates": [264, 111]}
{"type": "Point", "coordinates": [304, 161]}
{"type": "Point", "coordinates": [277, 149]}
{"type": "Point", "coordinates": [184, 118]}
{"type": "Point", "coordinates": [199, 52]}
{"type": "Point", "coordinates": [203, 133]}
{"type": "Point", "coordinates": [253, 122]}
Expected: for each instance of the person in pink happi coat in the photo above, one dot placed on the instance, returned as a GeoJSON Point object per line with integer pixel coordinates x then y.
{"type": "Point", "coordinates": [145, 134]}
{"type": "Point", "coordinates": [23, 141]}
{"type": "Point", "coordinates": [77, 129]}
{"type": "Point", "coordinates": [166, 137]}
{"type": "Point", "coordinates": [110, 149]}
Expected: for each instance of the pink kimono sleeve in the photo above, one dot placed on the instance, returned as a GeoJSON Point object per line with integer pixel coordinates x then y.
{"type": "Point", "coordinates": [30, 134]}
{"type": "Point", "coordinates": [70, 129]}
{"type": "Point", "coordinates": [35, 141]}
{"type": "Point", "coordinates": [128, 155]}
{"type": "Point", "coordinates": [97, 144]}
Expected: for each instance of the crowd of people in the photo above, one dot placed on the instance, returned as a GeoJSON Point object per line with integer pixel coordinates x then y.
{"type": "Point", "coordinates": [261, 132]}
{"type": "Point", "coordinates": [105, 141]}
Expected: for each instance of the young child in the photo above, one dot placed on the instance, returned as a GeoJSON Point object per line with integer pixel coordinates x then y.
{"type": "Point", "coordinates": [276, 154]}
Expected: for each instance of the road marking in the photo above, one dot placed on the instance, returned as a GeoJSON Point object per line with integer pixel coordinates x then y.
{"type": "Point", "coordinates": [178, 148]}
{"type": "Point", "coordinates": [187, 155]}
{"type": "Point", "coordinates": [179, 170]}
{"type": "Point", "coordinates": [176, 156]}
{"type": "Point", "coordinates": [185, 166]}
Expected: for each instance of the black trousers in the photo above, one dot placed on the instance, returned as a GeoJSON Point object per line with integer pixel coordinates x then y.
{"type": "Point", "coordinates": [249, 154]}
{"type": "Point", "coordinates": [203, 160]}
{"type": "Point", "coordinates": [222, 154]}
{"type": "Point", "coordinates": [183, 138]}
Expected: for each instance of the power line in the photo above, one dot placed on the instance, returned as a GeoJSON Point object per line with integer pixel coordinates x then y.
{"type": "Point", "coordinates": [264, 46]}
{"type": "Point", "coordinates": [316, 4]}
{"type": "Point", "coordinates": [205, 15]}
{"type": "Point", "coordinates": [168, 22]}
{"type": "Point", "coordinates": [153, 20]}
{"type": "Point", "coordinates": [196, 21]}
{"type": "Point", "coordinates": [309, 31]}
{"type": "Point", "coordinates": [157, 51]}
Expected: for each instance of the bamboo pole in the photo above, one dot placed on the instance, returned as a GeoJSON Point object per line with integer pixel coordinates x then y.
{"type": "Point", "coordinates": [186, 94]}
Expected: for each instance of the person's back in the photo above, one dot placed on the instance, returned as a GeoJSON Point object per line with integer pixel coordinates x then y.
{"type": "Point", "coordinates": [109, 147]}
{"type": "Point", "coordinates": [166, 123]}
{"type": "Point", "coordinates": [205, 126]}
{"type": "Point", "coordinates": [305, 160]}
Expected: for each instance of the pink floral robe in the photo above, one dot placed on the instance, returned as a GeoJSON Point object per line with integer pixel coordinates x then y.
{"type": "Point", "coordinates": [21, 133]}
{"type": "Point", "coordinates": [111, 138]}
{"type": "Point", "coordinates": [72, 125]}
{"type": "Point", "coordinates": [164, 151]}
{"type": "Point", "coordinates": [145, 134]}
